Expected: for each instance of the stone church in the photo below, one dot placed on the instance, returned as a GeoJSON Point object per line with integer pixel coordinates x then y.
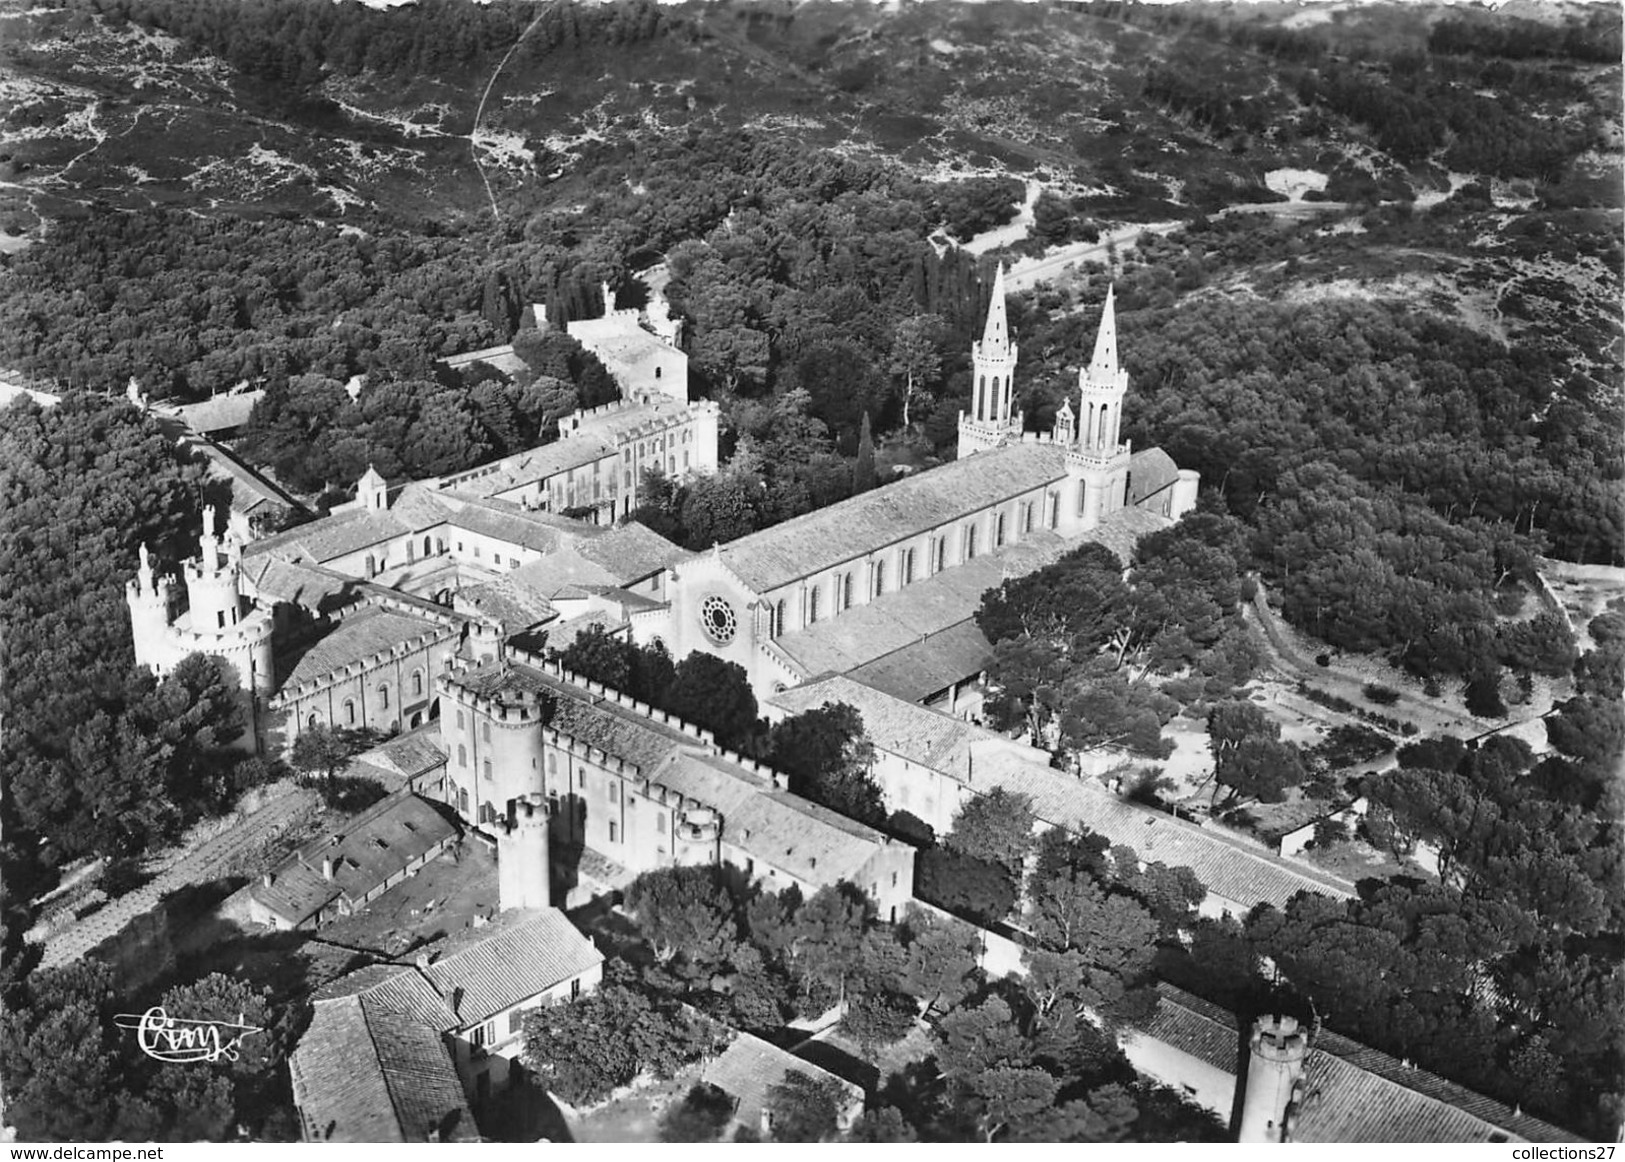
{"type": "Point", "coordinates": [884, 585]}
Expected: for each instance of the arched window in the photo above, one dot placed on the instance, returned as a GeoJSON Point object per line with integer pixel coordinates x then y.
{"type": "Point", "coordinates": [1027, 517]}
{"type": "Point", "coordinates": [1101, 437]}
{"type": "Point", "coordinates": [657, 373]}
{"type": "Point", "coordinates": [314, 722]}
{"type": "Point", "coordinates": [880, 578]}
{"type": "Point", "coordinates": [998, 532]}
{"type": "Point", "coordinates": [383, 695]}
{"type": "Point", "coordinates": [372, 566]}
{"type": "Point", "coordinates": [846, 590]}
{"type": "Point", "coordinates": [941, 555]}
{"type": "Point", "coordinates": [349, 712]}
{"type": "Point", "coordinates": [417, 683]}
{"type": "Point", "coordinates": [812, 605]}
{"type": "Point", "coordinates": [908, 566]}
{"type": "Point", "coordinates": [778, 619]}
{"type": "Point", "coordinates": [970, 542]}
{"type": "Point", "coordinates": [1083, 493]}
{"type": "Point", "coordinates": [426, 550]}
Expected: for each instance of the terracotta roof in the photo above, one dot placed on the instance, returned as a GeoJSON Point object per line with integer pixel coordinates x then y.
{"type": "Point", "coordinates": [218, 414]}
{"type": "Point", "coordinates": [357, 637]}
{"type": "Point", "coordinates": [893, 723]}
{"type": "Point", "coordinates": [530, 467]}
{"type": "Point", "coordinates": [1150, 471]}
{"type": "Point", "coordinates": [375, 846]}
{"type": "Point", "coordinates": [502, 358]}
{"type": "Point", "coordinates": [331, 537]}
{"type": "Point", "coordinates": [298, 582]}
{"type": "Point", "coordinates": [631, 552]}
{"type": "Point", "coordinates": [750, 1067]}
{"type": "Point", "coordinates": [902, 617]}
{"type": "Point", "coordinates": [509, 522]}
{"type": "Point", "coordinates": [625, 421]}
{"type": "Point", "coordinates": [366, 1075]}
{"type": "Point", "coordinates": [561, 635]}
{"type": "Point", "coordinates": [513, 604]}
{"type": "Point", "coordinates": [1230, 869]}
{"type": "Point", "coordinates": [412, 754]}
{"type": "Point", "coordinates": [936, 662]}
{"type": "Point", "coordinates": [517, 956]}
{"type": "Point", "coordinates": [883, 516]}
{"type": "Point", "coordinates": [1355, 1093]}
{"type": "Point", "coordinates": [1193, 1026]}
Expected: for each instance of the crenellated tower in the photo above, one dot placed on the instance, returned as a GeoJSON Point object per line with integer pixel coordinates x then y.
{"type": "Point", "coordinates": [218, 621]}
{"type": "Point", "coordinates": [1097, 460]}
{"type": "Point", "coordinates": [1274, 1086]}
{"type": "Point", "coordinates": [992, 419]}
{"type": "Point", "coordinates": [522, 855]}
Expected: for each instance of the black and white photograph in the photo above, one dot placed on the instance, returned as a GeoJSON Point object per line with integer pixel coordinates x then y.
{"type": "Point", "coordinates": [915, 572]}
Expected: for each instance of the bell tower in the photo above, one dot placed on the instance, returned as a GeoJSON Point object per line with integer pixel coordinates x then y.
{"type": "Point", "coordinates": [1097, 463]}
{"type": "Point", "coordinates": [992, 419]}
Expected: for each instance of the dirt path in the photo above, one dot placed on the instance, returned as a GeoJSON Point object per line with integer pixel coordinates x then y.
{"type": "Point", "coordinates": [479, 110]}
{"type": "Point", "coordinates": [1428, 715]}
{"type": "Point", "coordinates": [209, 861]}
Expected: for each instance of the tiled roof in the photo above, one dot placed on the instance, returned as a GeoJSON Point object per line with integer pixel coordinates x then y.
{"type": "Point", "coordinates": [1355, 1093]}
{"type": "Point", "coordinates": [530, 467]}
{"type": "Point", "coordinates": [1229, 868]}
{"type": "Point", "coordinates": [220, 413]}
{"type": "Point", "coordinates": [359, 636]}
{"type": "Point", "coordinates": [561, 635]}
{"type": "Point", "coordinates": [631, 552]}
{"type": "Point", "coordinates": [1150, 471]}
{"type": "Point", "coordinates": [376, 845]}
{"type": "Point", "coordinates": [411, 754]}
{"type": "Point", "coordinates": [332, 536]}
{"type": "Point", "coordinates": [515, 957]}
{"type": "Point", "coordinates": [902, 617]}
{"type": "Point", "coordinates": [502, 358]}
{"type": "Point", "coordinates": [927, 737]}
{"type": "Point", "coordinates": [1185, 1022]}
{"type": "Point", "coordinates": [509, 601]}
{"type": "Point", "coordinates": [872, 520]}
{"type": "Point", "coordinates": [366, 1073]}
{"type": "Point", "coordinates": [750, 1066]}
{"type": "Point", "coordinates": [298, 583]}
{"type": "Point", "coordinates": [937, 661]}
{"type": "Point", "coordinates": [621, 422]}
{"type": "Point", "coordinates": [510, 523]}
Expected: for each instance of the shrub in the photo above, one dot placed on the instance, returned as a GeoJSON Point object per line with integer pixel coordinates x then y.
{"type": "Point", "coordinates": [1381, 695]}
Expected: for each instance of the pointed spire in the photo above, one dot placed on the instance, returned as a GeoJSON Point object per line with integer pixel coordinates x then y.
{"type": "Point", "coordinates": [997, 331]}
{"type": "Point", "coordinates": [1104, 365]}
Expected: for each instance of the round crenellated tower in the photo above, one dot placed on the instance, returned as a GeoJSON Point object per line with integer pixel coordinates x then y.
{"type": "Point", "coordinates": [522, 855]}
{"type": "Point", "coordinates": [151, 599]}
{"type": "Point", "coordinates": [1274, 1079]}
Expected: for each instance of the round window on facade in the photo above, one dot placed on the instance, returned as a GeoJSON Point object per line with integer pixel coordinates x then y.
{"type": "Point", "coordinates": [718, 620]}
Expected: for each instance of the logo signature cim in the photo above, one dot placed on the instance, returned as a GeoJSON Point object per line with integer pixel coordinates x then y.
{"type": "Point", "coordinates": [166, 1038]}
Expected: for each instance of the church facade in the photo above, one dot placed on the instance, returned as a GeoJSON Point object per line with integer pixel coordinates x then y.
{"type": "Point", "coordinates": [848, 585]}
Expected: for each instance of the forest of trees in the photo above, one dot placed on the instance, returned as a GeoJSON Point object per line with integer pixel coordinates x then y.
{"type": "Point", "coordinates": [1010, 1060]}
{"type": "Point", "coordinates": [98, 757]}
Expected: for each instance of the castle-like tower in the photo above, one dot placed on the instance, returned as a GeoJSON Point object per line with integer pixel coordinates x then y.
{"type": "Point", "coordinates": [992, 419]}
{"type": "Point", "coordinates": [523, 877]}
{"type": "Point", "coordinates": [1097, 461]}
{"type": "Point", "coordinates": [1274, 1080]}
{"type": "Point", "coordinates": [218, 620]}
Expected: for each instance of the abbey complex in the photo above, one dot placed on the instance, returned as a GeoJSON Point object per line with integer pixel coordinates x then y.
{"type": "Point", "coordinates": [430, 611]}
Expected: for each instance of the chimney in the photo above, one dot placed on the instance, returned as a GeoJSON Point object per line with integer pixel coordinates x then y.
{"type": "Point", "coordinates": [327, 867]}
{"type": "Point", "coordinates": [268, 879]}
